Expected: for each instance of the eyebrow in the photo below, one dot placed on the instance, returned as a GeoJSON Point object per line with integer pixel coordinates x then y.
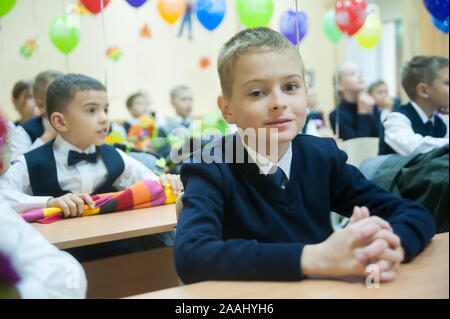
{"type": "Point", "coordinates": [94, 104]}
{"type": "Point", "coordinates": [261, 80]}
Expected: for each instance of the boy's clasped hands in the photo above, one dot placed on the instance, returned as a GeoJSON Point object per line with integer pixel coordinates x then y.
{"type": "Point", "coordinates": [366, 240]}
{"type": "Point", "coordinates": [73, 205]}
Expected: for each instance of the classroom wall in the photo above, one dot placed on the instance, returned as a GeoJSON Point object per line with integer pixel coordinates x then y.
{"type": "Point", "coordinates": [155, 65]}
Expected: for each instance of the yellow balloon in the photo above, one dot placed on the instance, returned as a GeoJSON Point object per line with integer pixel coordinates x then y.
{"type": "Point", "coordinates": [171, 10]}
{"type": "Point", "coordinates": [370, 33]}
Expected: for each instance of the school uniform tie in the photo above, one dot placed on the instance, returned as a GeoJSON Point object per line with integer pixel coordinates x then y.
{"type": "Point", "coordinates": [429, 127]}
{"type": "Point", "coordinates": [76, 157]}
{"type": "Point", "coordinates": [278, 177]}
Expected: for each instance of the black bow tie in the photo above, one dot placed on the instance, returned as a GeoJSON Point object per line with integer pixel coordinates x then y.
{"type": "Point", "coordinates": [75, 157]}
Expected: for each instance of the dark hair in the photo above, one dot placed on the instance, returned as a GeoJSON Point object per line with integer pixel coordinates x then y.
{"type": "Point", "coordinates": [421, 69]}
{"type": "Point", "coordinates": [131, 98]}
{"type": "Point", "coordinates": [21, 86]}
{"type": "Point", "coordinates": [42, 82]}
{"type": "Point", "coordinates": [62, 90]}
{"type": "Point", "coordinates": [374, 85]}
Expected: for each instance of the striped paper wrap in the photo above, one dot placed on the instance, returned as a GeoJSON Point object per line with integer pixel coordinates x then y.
{"type": "Point", "coordinates": [146, 193]}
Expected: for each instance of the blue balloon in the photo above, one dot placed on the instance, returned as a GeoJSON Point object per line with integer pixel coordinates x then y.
{"type": "Point", "coordinates": [441, 25]}
{"type": "Point", "coordinates": [437, 8]}
{"type": "Point", "coordinates": [210, 13]}
{"type": "Point", "coordinates": [288, 25]}
{"type": "Point", "coordinates": [136, 3]}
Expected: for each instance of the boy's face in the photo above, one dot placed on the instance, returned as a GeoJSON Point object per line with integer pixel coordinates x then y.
{"type": "Point", "coordinates": [268, 91]}
{"type": "Point", "coordinates": [183, 103]}
{"type": "Point", "coordinates": [439, 90]}
{"type": "Point", "coordinates": [86, 119]}
{"type": "Point", "coordinates": [139, 107]}
{"type": "Point", "coordinates": [379, 93]}
{"type": "Point", "coordinates": [351, 79]}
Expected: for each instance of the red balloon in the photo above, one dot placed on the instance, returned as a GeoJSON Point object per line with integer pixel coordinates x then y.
{"type": "Point", "coordinates": [94, 6]}
{"type": "Point", "coordinates": [350, 15]}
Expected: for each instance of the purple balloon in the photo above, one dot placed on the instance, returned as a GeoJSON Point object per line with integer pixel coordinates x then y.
{"type": "Point", "coordinates": [136, 3]}
{"type": "Point", "coordinates": [287, 25]}
{"type": "Point", "coordinates": [437, 8]}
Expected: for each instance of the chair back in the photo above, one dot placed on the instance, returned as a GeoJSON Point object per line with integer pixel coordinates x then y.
{"type": "Point", "coordinates": [358, 149]}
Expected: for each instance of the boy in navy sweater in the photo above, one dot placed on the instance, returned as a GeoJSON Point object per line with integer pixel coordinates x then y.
{"type": "Point", "coordinates": [415, 127]}
{"type": "Point", "coordinates": [249, 215]}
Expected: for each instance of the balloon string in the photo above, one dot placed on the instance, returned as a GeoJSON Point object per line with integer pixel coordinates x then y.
{"type": "Point", "coordinates": [104, 45]}
{"type": "Point", "coordinates": [138, 48]}
{"type": "Point", "coordinates": [38, 52]}
{"type": "Point", "coordinates": [66, 59]}
{"type": "Point", "coordinates": [296, 26]}
{"type": "Point", "coordinates": [336, 87]}
{"type": "Point", "coordinates": [3, 61]}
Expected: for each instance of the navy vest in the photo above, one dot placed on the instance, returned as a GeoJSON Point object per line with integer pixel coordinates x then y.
{"type": "Point", "coordinates": [438, 130]}
{"type": "Point", "coordinates": [43, 177]}
{"type": "Point", "coordinates": [34, 128]}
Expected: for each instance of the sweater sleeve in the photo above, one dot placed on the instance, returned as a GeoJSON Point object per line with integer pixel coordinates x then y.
{"type": "Point", "coordinates": [409, 220]}
{"type": "Point", "coordinates": [353, 126]}
{"type": "Point", "coordinates": [201, 253]}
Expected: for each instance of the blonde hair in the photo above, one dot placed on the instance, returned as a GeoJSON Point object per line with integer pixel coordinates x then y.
{"type": "Point", "coordinates": [250, 41]}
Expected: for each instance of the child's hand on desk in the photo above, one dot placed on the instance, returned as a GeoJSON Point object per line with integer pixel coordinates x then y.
{"type": "Point", "coordinates": [174, 182]}
{"type": "Point", "coordinates": [72, 205]}
{"type": "Point", "coordinates": [388, 261]}
{"type": "Point", "coordinates": [349, 251]}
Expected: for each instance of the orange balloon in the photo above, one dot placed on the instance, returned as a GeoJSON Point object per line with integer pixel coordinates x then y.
{"type": "Point", "coordinates": [171, 10]}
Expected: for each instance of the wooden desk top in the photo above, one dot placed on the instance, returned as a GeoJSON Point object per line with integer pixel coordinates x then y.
{"type": "Point", "coordinates": [74, 232]}
{"type": "Point", "coordinates": [427, 276]}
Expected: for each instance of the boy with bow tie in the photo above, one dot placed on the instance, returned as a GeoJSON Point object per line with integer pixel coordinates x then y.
{"type": "Point", "coordinates": [64, 172]}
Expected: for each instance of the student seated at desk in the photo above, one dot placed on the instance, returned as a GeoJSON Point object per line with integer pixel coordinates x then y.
{"type": "Point", "coordinates": [357, 115]}
{"type": "Point", "coordinates": [249, 215]}
{"type": "Point", "coordinates": [414, 127]}
{"type": "Point", "coordinates": [36, 131]}
{"type": "Point", "coordinates": [36, 269]}
{"type": "Point", "coordinates": [77, 163]}
{"type": "Point", "coordinates": [23, 100]}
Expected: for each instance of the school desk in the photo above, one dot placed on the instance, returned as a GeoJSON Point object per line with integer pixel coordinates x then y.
{"type": "Point", "coordinates": [427, 276]}
{"type": "Point", "coordinates": [123, 275]}
{"type": "Point", "coordinates": [82, 231]}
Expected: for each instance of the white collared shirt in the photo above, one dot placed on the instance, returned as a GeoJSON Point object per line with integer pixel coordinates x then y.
{"type": "Point", "coordinates": [20, 141]}
{"type": "Point", "coordinates": [265, 165]}
{"type": "Point", "coordinates": [399, 135]}
{"type": "Point", "coordinates": [84, 177]}
{"type": "Point", "coordinates": [45, 271]}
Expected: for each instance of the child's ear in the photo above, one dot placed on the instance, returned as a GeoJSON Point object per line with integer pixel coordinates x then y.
{"type": "Point", "coordinates": [224, 107]}
{"type": "Point", "coordinates": [422, 90]}
{"type": "Point", "coordinates": [59, 122]}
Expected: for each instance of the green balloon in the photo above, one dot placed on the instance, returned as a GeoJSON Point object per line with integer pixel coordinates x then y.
{"type": "Point", "coordinates": [254, 13]}
{"type": "Point", "coordinates": [65, 33]}
{"type": "Point", "coordinates": [329, 26]}
{"type": "Point", "coordinates": [6, 6]}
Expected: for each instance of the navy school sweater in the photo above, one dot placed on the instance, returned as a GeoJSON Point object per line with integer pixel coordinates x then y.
{"type": "Point", "coordinates": [238, 225]}
{"type": "Point", "coordinates": [352, 124]}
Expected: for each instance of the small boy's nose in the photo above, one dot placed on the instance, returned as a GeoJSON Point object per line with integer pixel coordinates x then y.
{"type": "Point", "coordinates": [278, 102]}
